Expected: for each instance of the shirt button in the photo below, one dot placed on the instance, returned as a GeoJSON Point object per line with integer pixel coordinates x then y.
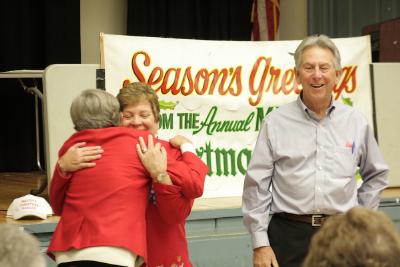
{"type": "Point", "coordinates": [320, 168]}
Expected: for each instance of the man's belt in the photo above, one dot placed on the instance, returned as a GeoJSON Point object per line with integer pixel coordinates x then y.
{"type": "Point", "coordinates": [313, 219]}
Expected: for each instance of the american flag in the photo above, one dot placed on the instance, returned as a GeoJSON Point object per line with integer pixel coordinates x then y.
{"type": "Point", "coordinates": [265, 18]}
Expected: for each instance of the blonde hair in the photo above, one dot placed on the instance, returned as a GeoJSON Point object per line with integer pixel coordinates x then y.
{"type": "Point", "coordinates": [360, 237]}
{"type": "Point", "coordinates": [136, 92]}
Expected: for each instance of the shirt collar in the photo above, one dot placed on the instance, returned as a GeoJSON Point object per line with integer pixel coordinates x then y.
{"type": "Point", "coordinates": [311, 114]}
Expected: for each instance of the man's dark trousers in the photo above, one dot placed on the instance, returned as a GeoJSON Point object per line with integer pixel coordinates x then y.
{"type": "Point", "coordinates": [290, 240]}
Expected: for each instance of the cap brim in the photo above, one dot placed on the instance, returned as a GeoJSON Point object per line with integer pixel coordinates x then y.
{"type": "Point", "coordinates": [20, 215]}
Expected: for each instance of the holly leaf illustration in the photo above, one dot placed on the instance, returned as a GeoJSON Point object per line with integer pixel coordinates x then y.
{"type": "Point", "coordinates": [168, 104]}
{"type": "Point", "coordinates": [347, 101]}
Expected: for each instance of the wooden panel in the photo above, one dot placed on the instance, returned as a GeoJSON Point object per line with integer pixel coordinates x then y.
{"type": "Point", "coordinates": [233, 225]}
{"type": "Point", "coordinates": [203, 227]}
{"type": "Point", "coordinates": [390, 41]}
{"type": "Point", "coordinates": [221, 251]}
{"type": "Point", "coordinates": [222, 241]}
{"type": "Point", "coordinates": [392, 210]}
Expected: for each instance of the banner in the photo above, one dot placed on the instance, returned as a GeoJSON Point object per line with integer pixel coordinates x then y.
{"type": "Point", "coordinates": [218, 92]}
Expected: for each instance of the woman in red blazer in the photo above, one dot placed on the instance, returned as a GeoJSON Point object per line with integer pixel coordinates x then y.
{"type": "Point", "coordinates": [174, 196]}
{"type": "Point", "coordinates": [173, 192]}
{"type": "Point", "coordinates": [103, 209]}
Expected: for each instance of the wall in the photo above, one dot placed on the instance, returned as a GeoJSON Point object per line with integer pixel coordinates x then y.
{"type": "Point", "coordinates": [293, 20]}
{"type": "Point", "coordinates": [387, 98]}
{"type": "Point", "coordinates": [108, 16]}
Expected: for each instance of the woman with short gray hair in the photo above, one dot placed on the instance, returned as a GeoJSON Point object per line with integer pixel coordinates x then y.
{"type": "Point", "coordinates": [94, 203]}
{"type": "Point", "coordinates": [94, 109]}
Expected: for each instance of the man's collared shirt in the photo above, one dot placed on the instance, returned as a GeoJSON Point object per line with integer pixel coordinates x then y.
{"type": "Point", "coordinates": [304, 165]}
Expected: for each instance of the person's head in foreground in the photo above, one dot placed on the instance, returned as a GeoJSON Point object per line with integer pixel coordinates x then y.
{"type": "Point", "coordinates": [358, 238]}
{"type": "Point", "coordinates": [18, 248]}
{"type": "Point", "coordinates": [93, 109]}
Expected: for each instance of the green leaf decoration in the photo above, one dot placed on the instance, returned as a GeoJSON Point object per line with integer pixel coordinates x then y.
{"type": "Point", "coordinates": [168, 104]}
{"type": "Point", "coordinates": [358, 175]}
{"type": "Point", "coordinates": [347, 101]}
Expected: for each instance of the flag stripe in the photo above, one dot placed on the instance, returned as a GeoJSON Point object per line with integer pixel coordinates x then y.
{"type": "Point", "coordinates": [265, 17]}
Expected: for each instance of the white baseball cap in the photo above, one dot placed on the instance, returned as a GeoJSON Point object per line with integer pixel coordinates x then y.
{"type": "Point", "coordinates": [29, 205]}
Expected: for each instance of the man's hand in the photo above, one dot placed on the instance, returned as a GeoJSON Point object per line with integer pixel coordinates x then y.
{"type": "Point", "coordinates": [79, 157]}
{"type": "Point", "coordinates": [264, 257]}
{"type": "Point", "coordinates": [154, 159]}
{"type": "Point", "coordinates": [179, 140]}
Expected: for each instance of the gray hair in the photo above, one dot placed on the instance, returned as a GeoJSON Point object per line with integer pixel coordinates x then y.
{"type": "Point", "coordinates": [18, 248]}
{"type": "Point", "coordinates": [94, 108]}
{"type": "Point", "coordinates": [321, 41]}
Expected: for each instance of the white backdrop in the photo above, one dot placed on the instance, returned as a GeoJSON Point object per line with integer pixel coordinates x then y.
{"type": "Point", "coordinates": [217, 92]}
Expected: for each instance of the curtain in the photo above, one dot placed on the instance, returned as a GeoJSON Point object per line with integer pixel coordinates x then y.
{"type": "Point", "coordinates": [34, 34]}
{"type": "Point", "coordinates": [193, 19]}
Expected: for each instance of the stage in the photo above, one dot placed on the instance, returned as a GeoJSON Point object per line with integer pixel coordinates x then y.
{"type": "Point", "coordinates": [215, 231]}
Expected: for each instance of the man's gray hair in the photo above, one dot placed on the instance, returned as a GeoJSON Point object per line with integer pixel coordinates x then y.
{"type": "Point", "coordinates": [321, 41]}
{"type": "Point", "coordinates": [94, 108]}
{"type": "Point", "coordinates": [18, 248]}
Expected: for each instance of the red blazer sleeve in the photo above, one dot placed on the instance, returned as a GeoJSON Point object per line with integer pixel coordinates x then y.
{"type": "Point", "coordinates": [189, 173]}
{"type": "Point", "coordinates": [172, 206]}
{"type": "Point", "coordinates": [175, 202]}
{"type": "Point", "coordinates": [58, 188]}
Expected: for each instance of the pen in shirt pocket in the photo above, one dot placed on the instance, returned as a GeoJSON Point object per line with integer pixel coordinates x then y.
{"type": "Point", "coordinates": [353, 146]}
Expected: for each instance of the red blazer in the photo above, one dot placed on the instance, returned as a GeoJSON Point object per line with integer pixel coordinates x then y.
{"type": "Point", "coordinates": [166, 236]}
{"type": "Point", "coordinates": [104, 205]}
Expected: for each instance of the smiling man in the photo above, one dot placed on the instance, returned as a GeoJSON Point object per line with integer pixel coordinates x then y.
{"type": "Point", "coordinates": [304, 162]}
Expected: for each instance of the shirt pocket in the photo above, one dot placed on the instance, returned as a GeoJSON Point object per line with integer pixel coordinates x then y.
{"type": "Point", "coordinates": [341, 161]}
